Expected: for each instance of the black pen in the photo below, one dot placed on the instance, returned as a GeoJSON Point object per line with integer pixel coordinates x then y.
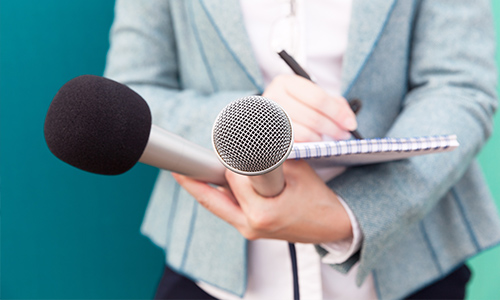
{"type": "Point", "coordinates": [355, 104]}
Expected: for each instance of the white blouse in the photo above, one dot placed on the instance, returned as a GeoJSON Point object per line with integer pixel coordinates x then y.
{"type": "Point", "coordinates": [315, 33]}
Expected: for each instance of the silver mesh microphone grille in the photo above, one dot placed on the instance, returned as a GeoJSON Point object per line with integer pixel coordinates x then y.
{"type": "Point", "coordinates": [252, 135]}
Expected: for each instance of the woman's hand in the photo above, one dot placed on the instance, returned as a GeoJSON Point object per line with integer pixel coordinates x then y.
{"type": "Point", "coordinates": [314, 113]}
{"type": "Point", "coordinates": [307, 211]}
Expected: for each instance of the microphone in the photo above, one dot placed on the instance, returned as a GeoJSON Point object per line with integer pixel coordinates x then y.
{"type": "Point", "coordinates": [253, 136]}
{"type": "Point", "coordinates": [102, 126]}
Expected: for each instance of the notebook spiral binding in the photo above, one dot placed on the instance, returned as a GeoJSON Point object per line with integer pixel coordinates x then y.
{"type": "Point", "coordinates": [371, 146]}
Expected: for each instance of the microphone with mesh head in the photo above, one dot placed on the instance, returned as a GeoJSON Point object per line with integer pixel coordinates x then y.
{"type": "Point", "coordinates": [102, 126]}
{"type": "Point", "coordinates": [253, 136]}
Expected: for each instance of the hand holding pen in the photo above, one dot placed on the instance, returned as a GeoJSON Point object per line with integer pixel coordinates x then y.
{"type": "Point", "coordinates": [354, 104]}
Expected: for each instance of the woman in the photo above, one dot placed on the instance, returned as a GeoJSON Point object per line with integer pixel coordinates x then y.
{"type": "Point", "coordinates": [421, 67]}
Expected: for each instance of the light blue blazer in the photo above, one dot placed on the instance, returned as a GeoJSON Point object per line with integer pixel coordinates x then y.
{"type": "Point", "coordinates": [420, 67]}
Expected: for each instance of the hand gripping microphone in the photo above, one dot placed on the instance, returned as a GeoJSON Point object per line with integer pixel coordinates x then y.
{"type": "Point", "coordinates": [253, 136]}
{"type": "Point", "coordinates": [101, 126]}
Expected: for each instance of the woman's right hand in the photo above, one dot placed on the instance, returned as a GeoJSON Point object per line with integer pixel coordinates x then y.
{"type": "Point", "coordinates": [314, 113]}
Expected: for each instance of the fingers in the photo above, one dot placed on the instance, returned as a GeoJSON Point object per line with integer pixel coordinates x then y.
{"type": "Point", "coordinates": [262, 213]}
{"type": "Point", "coordinates": [303, 212]}
{"type": "Point", "coordinates": [335, 108]}
{"type": "Point", "coordinates": [217, 200]}
{"type": "Point", "coordinates": [316, 122]}
{"type": "Point", "coordinates": [303, 134]}
{"type": "Point", "coordinates": [312, 108]}
{"type": "Point", "coordinates": [247, 219]}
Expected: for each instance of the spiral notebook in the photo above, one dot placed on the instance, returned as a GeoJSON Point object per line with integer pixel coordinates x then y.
{"type": "Point", "coordinates": [370, 151]}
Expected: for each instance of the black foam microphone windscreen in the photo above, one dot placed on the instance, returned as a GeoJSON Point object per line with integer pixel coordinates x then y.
{"type": "Point", "coordinates": [97, 125]}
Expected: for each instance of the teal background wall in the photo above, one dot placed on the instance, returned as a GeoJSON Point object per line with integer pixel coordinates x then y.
{"type": "Point", "coordinates": [485, 283]}
{"type": "Point", "coordinates": [68, 234]}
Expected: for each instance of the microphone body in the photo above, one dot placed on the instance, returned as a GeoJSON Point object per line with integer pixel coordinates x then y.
{"type": "Point", "coordinates": [168, 151]}
{"type": "Point", "coordinates": [253, 136]}
{"type": "Point", "coordinates": [270, 184]}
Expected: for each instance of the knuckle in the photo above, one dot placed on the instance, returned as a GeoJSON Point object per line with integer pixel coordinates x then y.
{"type": "Point", "coordinates": [316, 122]}
{"type": "Point", "coordinates": [249, 234]}
{"type": "Point", "coordinates": [318, 99]}
{"type": "Point", "coordinates": [319, 124]}
{"type": "Point", "coordinates": [261, 222]}
{"type": "Point", "coordinates": [302, 134]}
{"type": "Point", "coordinates": [203, 200]}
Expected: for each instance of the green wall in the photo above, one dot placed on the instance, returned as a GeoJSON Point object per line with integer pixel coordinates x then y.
{"type": "Point", "coordinates": [66, 233]}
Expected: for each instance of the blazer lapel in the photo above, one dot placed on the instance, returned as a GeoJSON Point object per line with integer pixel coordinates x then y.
{"type": "Point", "coordinates": [368, 20]}
{"type": "Point", "coordinates": [227, 19]}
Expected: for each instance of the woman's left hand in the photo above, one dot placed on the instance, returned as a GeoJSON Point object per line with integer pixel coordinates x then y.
{"type": "Point", "coordinates": [307, 211]}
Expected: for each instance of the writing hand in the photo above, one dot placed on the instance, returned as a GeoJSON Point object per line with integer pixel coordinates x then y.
{"type": "Point", "coordinates": [313, 112]}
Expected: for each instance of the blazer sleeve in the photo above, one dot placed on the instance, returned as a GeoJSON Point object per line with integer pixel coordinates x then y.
{"type": "Point", "coordinates": [143, 55]}
{"type": "Point", "coordinates": [452, 83]}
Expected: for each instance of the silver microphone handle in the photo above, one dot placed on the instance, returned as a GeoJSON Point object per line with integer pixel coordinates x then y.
{"type": "Point", "coordinates": [270, 184]}
{"type": "Point", "coordinates": [168, 151]}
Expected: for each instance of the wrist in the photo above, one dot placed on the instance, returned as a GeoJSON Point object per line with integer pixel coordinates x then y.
{"type": "Point", "coordinates": [342, 221]}
{"type": "Point", "coordinates": [335, 221]}
{"type": "Point", "coordinates": [340, 251]}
